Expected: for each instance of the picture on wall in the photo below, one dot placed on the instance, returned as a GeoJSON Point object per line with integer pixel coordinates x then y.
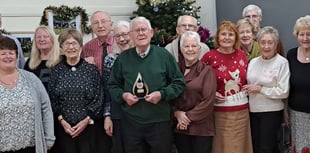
{"type": "Point", "coordinates": [25, 38]}
{"type": "Point", "coordinates": [59, 25]}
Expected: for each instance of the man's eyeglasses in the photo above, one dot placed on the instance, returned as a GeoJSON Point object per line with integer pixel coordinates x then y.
{"type": "Point", "coordinates": [124, 35]}
{"type": "Point", "coordinates": [142, 30]}
{"type": "Point", "coordinates": [252, 16]}
{"type": "Point", "coordinates": [190, 26]}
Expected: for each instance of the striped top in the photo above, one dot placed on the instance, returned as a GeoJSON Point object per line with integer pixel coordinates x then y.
{"type": "Point", "coordinates": [93, 48]}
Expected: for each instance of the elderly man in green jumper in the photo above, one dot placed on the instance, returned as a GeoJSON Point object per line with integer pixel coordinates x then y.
{"type": "Point", "coordinates": [143, 80]}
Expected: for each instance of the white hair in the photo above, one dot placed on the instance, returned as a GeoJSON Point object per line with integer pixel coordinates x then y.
{"type": "Point", "coordinates": [250, 8]}
{"type": "Point", "coordinates": [140, 19]}
{"type": "Point", "coordinates": [189, 34]}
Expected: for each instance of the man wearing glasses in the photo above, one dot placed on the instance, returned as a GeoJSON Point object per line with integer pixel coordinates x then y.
{"type": "Point", "coordinates": [94, 52]}
{"type": "Point", "coordinates": [184, 23]}
{"type": "Point", "coordinates": [143, 80]}
{"type": "Point", "coordinates": [254, 14]}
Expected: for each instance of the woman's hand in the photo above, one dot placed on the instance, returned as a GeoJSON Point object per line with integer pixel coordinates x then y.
{"type": "Point", "coordinates": [252, 88]}
{"type": "Point", "coordinates": [183, 120]}
{"type": "Point", "coordinates": [79, 128]}
{"type": "Point", "coordinates": [67, 127]}
{"type": "Point", "coordinates": [49, 147]}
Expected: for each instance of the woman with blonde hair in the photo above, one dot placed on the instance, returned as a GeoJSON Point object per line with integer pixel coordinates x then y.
{"type": "Point", "coordinates": [247, 38]}
{"type": "Point", "coordinates": [298, 101]}
{"type": "Point", "coordinates": [45, 53]}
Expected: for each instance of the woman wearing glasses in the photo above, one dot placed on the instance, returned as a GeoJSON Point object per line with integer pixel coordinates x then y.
{"type": "Point", "coordinates": [74, 89]}
{"type": "Point", "coordinates": [112, 110]}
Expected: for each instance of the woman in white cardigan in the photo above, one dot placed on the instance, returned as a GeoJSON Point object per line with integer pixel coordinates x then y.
{"type": "Point", "coordinates": [268, 84]}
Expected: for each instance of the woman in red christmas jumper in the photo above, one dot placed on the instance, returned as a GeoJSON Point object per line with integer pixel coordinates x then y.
{"type": "Point", "coordinates": [232, 123]}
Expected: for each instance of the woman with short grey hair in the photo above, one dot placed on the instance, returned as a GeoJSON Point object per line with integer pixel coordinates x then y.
{"type": "Point", "coordinates": [193, 110]}
{"type": "Point", "coordinates": [267, 92]}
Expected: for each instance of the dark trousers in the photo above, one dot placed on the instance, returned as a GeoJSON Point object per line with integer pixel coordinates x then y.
{"type": "Point", "coordinates": [117, 140]}
{"type": "Point", "coordinates": [193, 144]}
{"type": "Point", "coordinates": [141, 138]}
{"type": "Point", "coordinates": [103, 141]}
{"type": "Point", "coordinates": [84, 143]}
{"type": "Point", "coordinates": [26, 150]}
{"type": "Point", "coordinates": [264, 129]}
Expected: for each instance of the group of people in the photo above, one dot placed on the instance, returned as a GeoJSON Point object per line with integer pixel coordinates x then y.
{"type": "Point", "coordinates": [119, 93]}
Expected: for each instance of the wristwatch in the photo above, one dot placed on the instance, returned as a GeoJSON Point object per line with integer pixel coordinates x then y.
{"type": "Point", "coordinates": [90, 121]}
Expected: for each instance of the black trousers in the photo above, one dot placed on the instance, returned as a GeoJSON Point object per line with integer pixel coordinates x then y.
{"type": "Point", "coordinates": [103, 141]}
{"type": "Point", "coordinates": [141, 138]}
{"type": "Point", "coordinates": [117, 140]}
{"type": "Point", "coordinates": [193, 144]}
{"type": "Point", "coordinates": [264, 129]}
{"type": "Point", "coordinates": [84, 143]}
{"type": "Point", "coordinates": [26, 150]}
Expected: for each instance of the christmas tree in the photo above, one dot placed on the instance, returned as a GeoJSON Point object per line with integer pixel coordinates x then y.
{"type": "Point", "coordinates": [163, 15]}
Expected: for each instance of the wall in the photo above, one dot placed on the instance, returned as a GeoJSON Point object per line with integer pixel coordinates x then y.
{"type": "Point", "coordinates": [25, 15]}
{"type": "Point", "coordinates": [280, 14]}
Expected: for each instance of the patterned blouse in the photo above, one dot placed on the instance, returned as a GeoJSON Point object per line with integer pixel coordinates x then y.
{"type": "Point", "coordinates": [16, 117]}
{"type": "Point", "coordinates": [75, 91]}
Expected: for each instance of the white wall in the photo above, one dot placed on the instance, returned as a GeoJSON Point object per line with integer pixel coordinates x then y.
{"type": "Point", "coordinates": [25, 15]}
{"type": "Point", "coordinates": [208, 14]}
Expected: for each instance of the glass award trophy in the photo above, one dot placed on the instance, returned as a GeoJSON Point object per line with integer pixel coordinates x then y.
{"type": "Point", "coordinates": [140, 88]}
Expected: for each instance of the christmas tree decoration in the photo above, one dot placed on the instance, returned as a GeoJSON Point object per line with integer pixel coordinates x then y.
{"type": "Point", "coordinates": [163, 15]}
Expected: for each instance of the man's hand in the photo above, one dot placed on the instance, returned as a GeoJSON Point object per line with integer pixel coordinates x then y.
{"type": "Point", "coordinates": [154, 97]}
{"type": "Point", "coordinates": [130, 98]}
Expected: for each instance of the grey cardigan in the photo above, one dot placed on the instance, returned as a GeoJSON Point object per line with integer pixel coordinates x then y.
{"type": "Point", "coordinates": [44, 123]}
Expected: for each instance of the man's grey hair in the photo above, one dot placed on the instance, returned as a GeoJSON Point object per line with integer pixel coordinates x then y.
{"type": "Point", "coordinates": [180, 18]}
{"type": "Point", "coordinates": [250, 8]}
{"type": "Point", "coordinates": [140, 19]}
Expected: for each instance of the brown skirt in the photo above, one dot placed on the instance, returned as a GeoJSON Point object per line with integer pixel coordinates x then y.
{"type": "Point", "coordinates": [233, 134]}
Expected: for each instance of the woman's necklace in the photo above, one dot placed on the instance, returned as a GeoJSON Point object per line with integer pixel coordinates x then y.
{"type": "Point", "coordinates": [306, 57]}
{"type": "Point", "coordinates": [8, 84]}
{"type": "Point", "coordinates": [8, 79]}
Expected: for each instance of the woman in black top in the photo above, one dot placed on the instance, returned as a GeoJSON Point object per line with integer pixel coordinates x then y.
{"type": "Point", "coordinates": [44, 53]}
{"type": "Point", "coordinates": [74, 89]}
{"type": "Point", "coordinates": [299, 62]}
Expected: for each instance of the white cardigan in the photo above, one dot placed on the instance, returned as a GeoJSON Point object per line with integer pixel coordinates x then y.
{"type": "Point", "coordinates": [273, 75]}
